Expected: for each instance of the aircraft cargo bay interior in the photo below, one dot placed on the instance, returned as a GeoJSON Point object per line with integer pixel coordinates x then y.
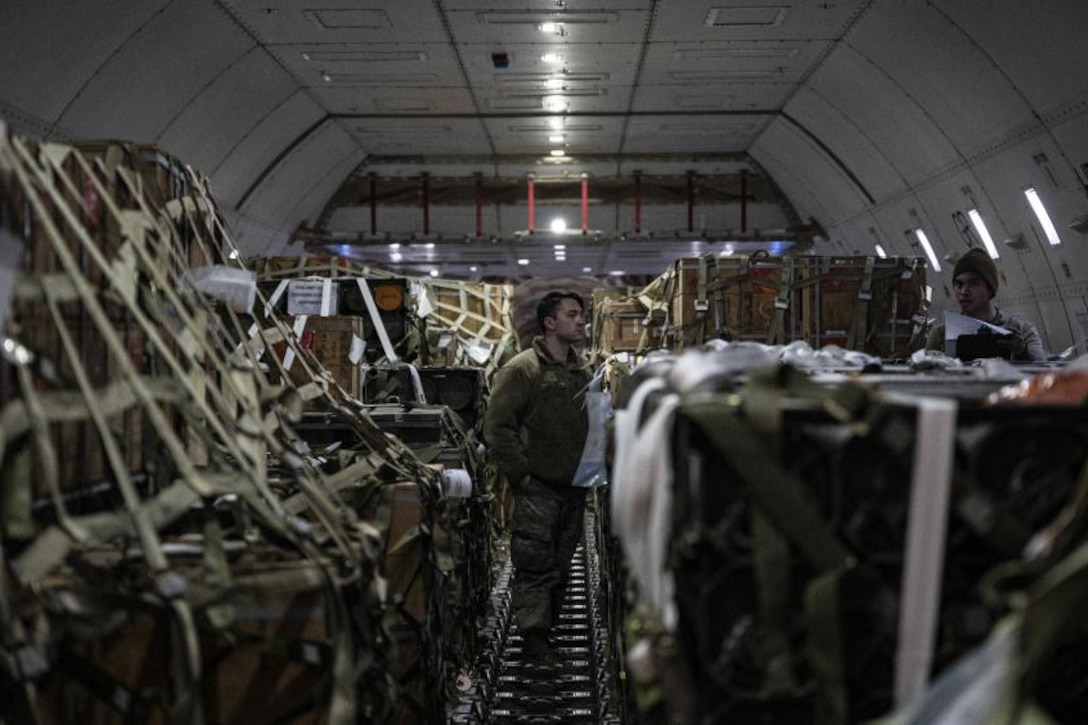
{"type": "Point", "coordinates": [543, 361]}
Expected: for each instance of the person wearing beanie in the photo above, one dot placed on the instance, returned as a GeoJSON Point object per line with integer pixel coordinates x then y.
{"type": "Point", "coordinates": [975, 281]}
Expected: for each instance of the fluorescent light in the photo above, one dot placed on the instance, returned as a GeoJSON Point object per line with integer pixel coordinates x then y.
{"type": "Point", "coordinates": [983, 233]}
{"type": "Point", "coordinates": [558, 247]}
{"type": "Point", "coordinates": [557, 152]}
{"type": "Point", "coordinates": [554, 83]}
{"type": "Point", "coordinates": [554, 103]}
{"type": "Point", "coordinates": [523, 262]}
{"type": "Point", "coordinates": [880, 252]}
{"type": "Point", "coordinates": [1044, 218]}
{"type": "Point", "coordinates": [434, 272]}
{"type": "Point", "coordinates": [394, 245]}
{"type": "Point", "coordinates": [549, 27]}
{"type": "Point", "coordinates": [429, 245]}
{"type": "Point", "coordinates": [617, 273]}
{"type": "Point", "coordinates": [472, 269]}
{"type": "Point", "coordinates": [924, 240]}
{"type": "Point", "coordinates": [557, 138]}
{"type": "Point", "coordinates": [395, 257]}
{"type": "Point", "coordinates": [552, 58]}
{"type": "Point", "coordinates": [556, 122]}
{"type": "Point", "coordinates": [587, 269]}
{"type": "Point", "coordinates": [559, 224]}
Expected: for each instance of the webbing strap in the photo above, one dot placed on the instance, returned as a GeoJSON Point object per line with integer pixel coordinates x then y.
{"type": "Point", "coordinates": [376, 320]}
{"type": "Point", "coordinates": [931, 484]}
{"type": "Point", "coordinates": [777, 334]}
{"type": "Point", "coordinates": [775, 491]}
{"type": "Point", "coordinates": [824, 646]}
{"type": "Point", "coordinates": [855, 340]}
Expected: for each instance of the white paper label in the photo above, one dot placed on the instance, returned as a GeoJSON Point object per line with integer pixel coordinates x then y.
{"type": "Point", "coordinates": [311, 297]}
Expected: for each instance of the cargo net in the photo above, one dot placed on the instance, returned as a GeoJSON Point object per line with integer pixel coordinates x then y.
{"type": "Point", "coordinates": [776, 528]}
{"type": "Point", "coordinates": [172, 549]}
{"type": "Point", "coordinates": [430, 322]}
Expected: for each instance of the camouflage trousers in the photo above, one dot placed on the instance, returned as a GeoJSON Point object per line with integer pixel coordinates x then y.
{"type": "Point", "coordinates": [546, 529]}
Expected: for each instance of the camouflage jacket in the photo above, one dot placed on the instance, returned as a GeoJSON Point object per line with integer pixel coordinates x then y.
{"type": "Point", "coordinates": [536, 418]}
{"type": "Point", "coordinates": [1025, 330]}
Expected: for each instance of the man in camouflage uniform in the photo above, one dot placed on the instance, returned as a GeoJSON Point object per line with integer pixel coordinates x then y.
{"type": "Point", "coordinates": [536, 428]}
{"type": "Point", "coordinates": [975, 281]}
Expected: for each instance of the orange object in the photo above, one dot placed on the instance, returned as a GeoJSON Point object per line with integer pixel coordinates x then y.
{"type": "Point", "coordinates": [1060, 387]}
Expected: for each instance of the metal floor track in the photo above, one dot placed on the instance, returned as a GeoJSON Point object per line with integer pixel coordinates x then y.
{"type": "Point", "coordinates": [576, 685]}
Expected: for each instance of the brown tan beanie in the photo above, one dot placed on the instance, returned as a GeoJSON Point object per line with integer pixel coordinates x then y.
{"type": "Point", "coordinates": [976, 260]}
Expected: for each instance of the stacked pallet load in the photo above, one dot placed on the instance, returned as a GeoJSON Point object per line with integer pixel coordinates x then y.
{"type": "Point", "coordinates": [868, 304]}
{"type": "Point", "coordinates": [817, 545]}
{"type": "Point", "coordinates": [173, 549]}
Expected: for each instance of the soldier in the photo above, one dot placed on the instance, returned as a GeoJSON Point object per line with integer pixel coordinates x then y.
{"type": "Point", "coordinates": [974, 279]}
{"type": "Point", "coordinates": [536, 428]}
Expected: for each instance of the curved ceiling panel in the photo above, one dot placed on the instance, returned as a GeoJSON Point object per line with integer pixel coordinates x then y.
{"type": "Point", "coordinates": [839, 196]}
{"type": "Point", "coordinates": [51, 50]}
{"type": "Point", "coordinates": [807, 202]}
{"type": "Point", "coordinates": [252, 155]}
{"type": "Point", "coordinates": [941, 70]}
{"type": "Point", "coordinates": [848, 142]}
{"type": "Point", "coordinates": [227, 110]}
{"type": "Point", "coordinates": [284, 196]}
{"type": "Point", "coordinates": [153, 77]}
{"type": "Point", "coordinates": [1039, 45]}
{"type": "Point", "coordinates": [865, 94]}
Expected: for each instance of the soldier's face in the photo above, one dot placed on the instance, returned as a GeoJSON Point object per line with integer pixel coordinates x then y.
{"type": "Point", "coordinates": [569, 323]}
{"type": "Point", "coordinates": [972, 293]}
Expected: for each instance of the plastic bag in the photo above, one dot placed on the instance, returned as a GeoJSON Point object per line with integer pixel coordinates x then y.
{"type": "Point", "coordinates": [593, 469]}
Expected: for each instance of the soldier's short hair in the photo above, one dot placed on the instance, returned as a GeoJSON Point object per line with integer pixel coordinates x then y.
{"type": "Point", "coordinates": [550, 302]}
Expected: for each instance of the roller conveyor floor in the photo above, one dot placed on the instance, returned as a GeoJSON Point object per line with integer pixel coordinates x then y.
{"type": "Point", "coordinates": [577, 682]}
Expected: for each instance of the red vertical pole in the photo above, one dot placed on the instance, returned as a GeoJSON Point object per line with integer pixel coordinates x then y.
{"type": "Point", "coordinates": [585, 202]}
{"type": "Point", "coordinates": [373, 202]}
{"type": "Point", "coordinates": [479, 205]}
{"type": "Point", "coordinates": [744, 201]}
{"type": "Point", "coordinates": [532, 209]}
{"type": "Point", "coordinates": [638, 202]}
{"type": "Point", "coordinates": [426, 194]}
{"type": "Point", "coordinates": [691, 201]}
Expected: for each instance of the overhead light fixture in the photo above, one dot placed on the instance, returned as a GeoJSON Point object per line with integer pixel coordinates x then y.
{"type": "Point", "coordinates": [1043, 217]}
{"type": "Point", "coordinates": [552, 28]}
{"type": "Point", "coordinates": [556, 122]}
{"type": "Point", "coordinates": [554, 103]}
{"type": "Point", "coordinates": [558, 153]}
{"type": "Point", "coordinates": [429, 245]}
{"type": "Point", "coordinates": [983, 233]}
{"type": "Point", "coordinates": [559, 224]}
{"type": "Point", "coordinates": [395, 257]}
{"type": "Point", "coordinates": [434, 272]}
{"type": "Point", "coordinates": [554, 83]}
{"type": "Point", "coordinates": [472, 268]}
{"type": "Point", "coordinates": [617, 273]}
{"type": "Point", "coordinates": [930, 254]}
{"type": "Point", "coordinates": [557, 138]}
{"type": "Point", "coordinates": [880, 251]}
{"type": "Point", "coordinates": [523, 262]}
{"type": "Point", "coordinates": [560, 247]}
{"type": "Point", "coordinates": [395, 245]}
{"type": "Point", "coordinates": [551, 58]}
